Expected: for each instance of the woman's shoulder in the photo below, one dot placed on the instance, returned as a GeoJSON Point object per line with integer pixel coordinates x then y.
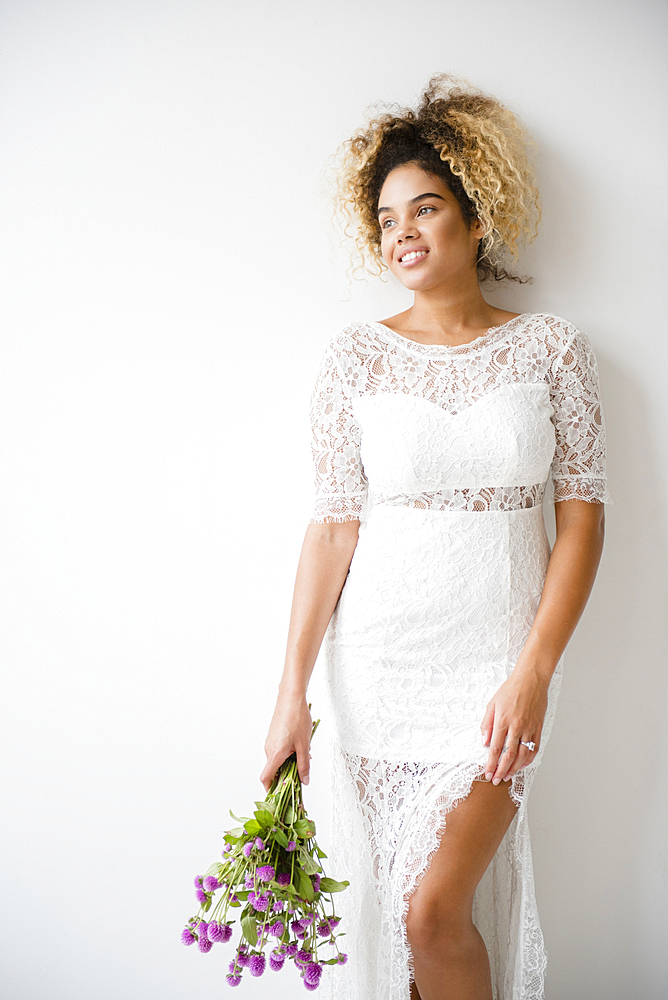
{"type": "Point", "coordinates": [355, 339]}
{"type": "Point", "coordinates": [557, 333]}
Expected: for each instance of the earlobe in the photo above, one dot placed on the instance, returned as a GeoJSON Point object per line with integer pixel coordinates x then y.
{"type": "Point", "coordinates": [478, 228]}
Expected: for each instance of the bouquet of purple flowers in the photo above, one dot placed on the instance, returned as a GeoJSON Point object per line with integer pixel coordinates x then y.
{"type": "Point", "coordinates": [271, 871]}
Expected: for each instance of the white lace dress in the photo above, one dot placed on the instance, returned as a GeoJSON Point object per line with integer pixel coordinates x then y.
{"type": "Point", "coordinates": [443, 454]}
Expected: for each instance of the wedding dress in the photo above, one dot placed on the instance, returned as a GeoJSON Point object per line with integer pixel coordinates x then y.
{"type": "Point", "coordinates": [442, 453]}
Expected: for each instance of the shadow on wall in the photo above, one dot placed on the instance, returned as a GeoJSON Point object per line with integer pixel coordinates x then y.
{"type": "Point", "coordinates": [565, 260]}
{"type": "Point", "coordinates": [597, 803]}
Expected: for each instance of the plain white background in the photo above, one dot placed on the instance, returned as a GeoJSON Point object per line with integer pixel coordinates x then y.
{"type": "Point", "coordinates": [169, 282]}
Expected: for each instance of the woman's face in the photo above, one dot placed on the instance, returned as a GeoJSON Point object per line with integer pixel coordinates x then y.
{"type": "Point", "coordinates": [425, 240]}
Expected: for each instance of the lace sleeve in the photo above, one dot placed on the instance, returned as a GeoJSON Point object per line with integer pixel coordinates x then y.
{"type": "Point", "coordinates": [340, 483]}
{"type": "Point", "coordinates": [578, 469]}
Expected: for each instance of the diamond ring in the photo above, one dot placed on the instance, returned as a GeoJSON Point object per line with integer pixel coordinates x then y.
{"type": "Point", "coordinates": [530, 744]}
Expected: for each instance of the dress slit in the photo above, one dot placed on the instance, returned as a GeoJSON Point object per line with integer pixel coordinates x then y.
{"type": "Point", "coordinates": [395, 815]}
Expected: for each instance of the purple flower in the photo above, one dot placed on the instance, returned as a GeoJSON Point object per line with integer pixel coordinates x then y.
{"type": "Point", "coordinates": [260, 902]}
{"type": "Point", "coordinates": [242, 959]}
{"type": "Point", "coordinates": [227, 848]}
{"type": "Point", "coordinates": [246, 849]}
{"type": "Point", "coordinates": [256, 965]}
{"type": "Point", "coordinates": [316, 883]}
{"type": "Point", "coordinates": [307, 920]}
{"type": "Point", "coordinates": [203, 942]}
{"type": "Point", "coordinates": [202, 896]}
{"type": "Point", "coordinates": [298, 929]}
{"type": "Point", "coordinates": [187, 936]}
{"type": "Point", "coordinates": [233, 980]}
{"type": "Point", "coordinates": [259, 843]}
{"type": "Point", "coordinates": [291, 845]}
{"type": "Point", "coordinates": [334, 922]}
{"type": "Point", "coordinates": [219, 932]}
{"type": "Point", "coordinates": [249, 882]}
{"type": "Point", "coordinates": [277, 928]}
{"type": "Point", "coordinates": [283, 878]}
{"type": "Point", "coordinates": [276, 961]}
{"type": "Point", "coordinates": [311, 986]}
{"type": "Point", "coordinates": [211, 884]}
{"type": "Point", "coordinates": [324, 929]}
{"type": "Point", "coordinates": [234, 898]}
{"type": "Point", "coordinates": [342, 958]}
{"type": "Point", "coordinates": [313, 973]}
{"type": "Point", "coordinates": [198, 882]}
{"type": "Point", "coordinates": [303, 956]}
{"type": "Point", "coordinates": [291, 949]}
{"type": "Point", "coordinates": [278, 906]}
{"type": "Point", "coordinates": [266, 873]}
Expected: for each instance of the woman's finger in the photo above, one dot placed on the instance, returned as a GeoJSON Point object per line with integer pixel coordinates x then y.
{"type": "Point", "coordinates": [303, 763]}
{"type": "Point", "coordinates": [268, 773]}
{"type": "Point", "coordinates": [487, 724]}
{"type": "Point", "coordinates": [524, 756]}
{"type": "Point", "coordinates": [271, 767]}
{"type": "Point", "coordinates": [506, 757]}
{"type": "Point", "coordinates": [496, 749]}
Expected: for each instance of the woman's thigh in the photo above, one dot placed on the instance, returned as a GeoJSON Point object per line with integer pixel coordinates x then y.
{"type": "Point", "coordinates": [473, 831]}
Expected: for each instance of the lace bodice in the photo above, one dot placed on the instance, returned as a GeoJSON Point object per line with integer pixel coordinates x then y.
{"type": "Point", "coordinates": [507, 410]}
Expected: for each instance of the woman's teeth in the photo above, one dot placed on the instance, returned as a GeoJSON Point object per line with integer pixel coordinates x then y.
{"type": "Point", "coordinates": [413, 254]}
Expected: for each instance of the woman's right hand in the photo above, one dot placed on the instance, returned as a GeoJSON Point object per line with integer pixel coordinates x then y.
{"type": "Point", "coordinates": [289, 731]}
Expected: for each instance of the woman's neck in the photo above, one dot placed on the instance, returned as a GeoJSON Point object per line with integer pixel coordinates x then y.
{"type": "Point", "coordinates": [439, 317]}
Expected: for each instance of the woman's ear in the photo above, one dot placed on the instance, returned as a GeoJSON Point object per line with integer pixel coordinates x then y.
{"type": "Point", "coordinates": [478, 228]}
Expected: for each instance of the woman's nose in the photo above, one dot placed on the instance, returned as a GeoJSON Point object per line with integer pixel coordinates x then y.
{"type": "Point", "coordinates": [406, 232]}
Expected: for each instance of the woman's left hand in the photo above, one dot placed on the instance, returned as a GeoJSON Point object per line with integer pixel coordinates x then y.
{"type": "Point", "coordinates": [514, 715]}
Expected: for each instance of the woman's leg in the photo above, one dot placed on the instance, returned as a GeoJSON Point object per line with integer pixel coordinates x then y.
{"type": "Point", "coordinates": [449, 954]}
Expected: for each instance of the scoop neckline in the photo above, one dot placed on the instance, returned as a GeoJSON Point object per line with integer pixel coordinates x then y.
{"type": "Point", "coordinates": [484, 338]}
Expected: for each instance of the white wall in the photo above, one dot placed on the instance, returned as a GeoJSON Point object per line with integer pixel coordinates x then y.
{"type": "Point", "coordinates": [168, 286]}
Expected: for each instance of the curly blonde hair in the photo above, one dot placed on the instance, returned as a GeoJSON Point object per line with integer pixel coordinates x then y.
{"type": "Point", "coordinates": [467, 138]}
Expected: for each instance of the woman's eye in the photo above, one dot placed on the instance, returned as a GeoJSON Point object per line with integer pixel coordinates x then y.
{"type": "Point", "coordinates": [426, 208]}
{"type": "Point", "coordinates": [385, 223]}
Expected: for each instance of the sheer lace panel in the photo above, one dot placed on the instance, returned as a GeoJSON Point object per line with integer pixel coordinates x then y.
{"type": "Point", "coordinates": [490, 498]}
{"type": "Point", "coordinates": [341, 487]}
{"type": "Point", "coordinates": [578, 470]}
{"type": "Point", "coordinates": [533, 350]}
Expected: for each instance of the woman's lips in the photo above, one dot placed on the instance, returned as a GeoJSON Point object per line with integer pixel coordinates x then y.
{"type": "Point", "coordinates": [412, 261]}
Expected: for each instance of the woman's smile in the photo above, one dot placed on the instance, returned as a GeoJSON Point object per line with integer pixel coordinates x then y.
{"type": "Point", "coordinates": [412, 257]}
{"type": "Point", "coordinates": [424, 237]}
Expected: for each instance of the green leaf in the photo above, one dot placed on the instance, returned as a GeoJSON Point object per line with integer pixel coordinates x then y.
{"type": "Point", "coordinates": [279, 836]}
{"type": "Point", "coordinates": [305, 828]}
{"type": "Point", "coordinates": [239, 819]}
{"type": "Point", "coordinates": [243, 894]}
{"type": "Point", "coordinates": [321, 854]}
{"type": "Point", "coordinates": [249, 929]}
{"type": "Point", "coordinates": [253, 827]}
{"type": "Point", "coordinates": [331, 885]}
{"type": "Point", "coordinates": [304, 886]}
{"type": "Point", "coordinates": [308, 863]}
{"type": "Point", "coordinates": [264, 818]}
{"type": "Point", "coordinates": [207, 906]}
{"type": "Point", "coordinates": [233, 835]}
{"type": "Point", "coordinates": [289, 816]}
{"type": "Point", "coordinates": [268, 804]}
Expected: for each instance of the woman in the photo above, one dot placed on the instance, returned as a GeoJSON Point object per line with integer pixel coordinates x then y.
{"type": "Point", "coordinates": [428, 565]}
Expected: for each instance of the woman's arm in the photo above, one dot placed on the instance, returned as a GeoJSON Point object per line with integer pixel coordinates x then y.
{"type": "Point", "coordinates": [323, 566]}
{"type": "Point", "coordinates": [517, 710]}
